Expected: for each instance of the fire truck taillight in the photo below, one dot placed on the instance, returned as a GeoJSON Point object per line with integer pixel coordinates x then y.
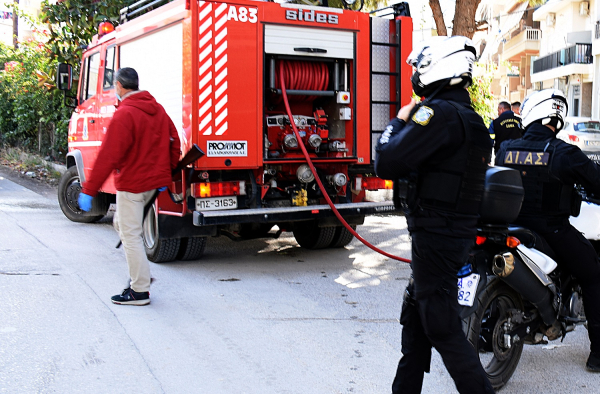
{"type": "Point", "coordinates": [105, 28]}
{"type": "Point", "coordinates": [218, 189]}
{"type": "Point", "coordinates": [372, 183]}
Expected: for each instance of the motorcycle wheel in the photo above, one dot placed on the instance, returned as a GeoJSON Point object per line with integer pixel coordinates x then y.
{"type": "Point", "coordinates": [485, 330]}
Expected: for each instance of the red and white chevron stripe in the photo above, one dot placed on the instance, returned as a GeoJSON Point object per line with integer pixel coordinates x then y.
{"type": "Point", "coordinates": [213, 68]}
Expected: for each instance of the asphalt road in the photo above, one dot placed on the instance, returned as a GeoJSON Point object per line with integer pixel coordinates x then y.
{"type": "Point", "coordinates": [261, 316]}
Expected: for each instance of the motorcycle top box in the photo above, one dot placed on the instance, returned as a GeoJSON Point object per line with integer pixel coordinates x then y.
{"type": "Point", "coordinates": [502, 196]}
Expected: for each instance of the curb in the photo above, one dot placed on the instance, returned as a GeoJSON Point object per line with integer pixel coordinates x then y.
{"type": "Point", "coordinates": [57, 167]}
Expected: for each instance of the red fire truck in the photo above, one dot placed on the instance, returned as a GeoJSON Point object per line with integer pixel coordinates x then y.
{"type": "Point", "coordinates": [216, 67]}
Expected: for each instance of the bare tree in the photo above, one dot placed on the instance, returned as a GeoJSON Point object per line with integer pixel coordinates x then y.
{"type": "Point", "coordinates": [464, 23]}
{"type": "Point", "coordinates": [15, 17]}
{"type": "Point", "coordinates": [438, 17]}
{"type": "Point", "coordinates": [464, 18]}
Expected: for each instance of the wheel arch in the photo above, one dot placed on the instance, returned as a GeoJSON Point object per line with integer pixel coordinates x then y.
{"type": "Point", "coordinates": [75, 158]}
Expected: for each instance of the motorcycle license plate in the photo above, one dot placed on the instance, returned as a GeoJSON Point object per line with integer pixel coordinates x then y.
{"type": "Point", "coordinates": [216, 203]}
{"type": "Point", "coordinates": [467, 289]}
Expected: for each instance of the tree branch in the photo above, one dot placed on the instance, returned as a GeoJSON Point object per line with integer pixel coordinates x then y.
{"type": "Point", "coordinates": [438, 17]}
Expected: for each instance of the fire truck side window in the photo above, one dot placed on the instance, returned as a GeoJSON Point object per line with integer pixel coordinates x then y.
{"type": "Point", "coordinates": [109, 70]}
{"type": "Point", "coordinates": [90, 76]}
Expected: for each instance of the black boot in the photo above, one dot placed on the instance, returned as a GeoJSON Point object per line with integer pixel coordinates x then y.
{"type": "Point", "coordinates": [593, 362]}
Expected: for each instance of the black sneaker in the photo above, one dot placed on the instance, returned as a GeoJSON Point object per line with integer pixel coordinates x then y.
{"type": "Point", "coordinates": [593, 362]}
{"type": "Point", "coordinates": [130, 297]}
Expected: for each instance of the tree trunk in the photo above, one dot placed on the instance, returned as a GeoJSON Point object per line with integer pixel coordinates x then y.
{"type": "Point", "coordinates": [15, 25]}
{"type": "Point", "coordinates": [438, 17]}
{"type": "Point", "coordinates": [464, 18]}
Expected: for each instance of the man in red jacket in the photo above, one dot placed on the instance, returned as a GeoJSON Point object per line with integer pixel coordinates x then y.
{"type": "Point", "coordinates": [142, 147]}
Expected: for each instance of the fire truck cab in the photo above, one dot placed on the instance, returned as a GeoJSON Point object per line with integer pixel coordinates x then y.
{"type": "Point", "coordinates": [216, 67]}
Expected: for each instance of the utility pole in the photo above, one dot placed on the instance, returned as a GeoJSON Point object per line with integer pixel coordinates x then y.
{"type": "Point", "coordinates": [15, 18]}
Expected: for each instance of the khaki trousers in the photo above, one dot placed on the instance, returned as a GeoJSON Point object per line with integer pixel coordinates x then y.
{"type": "Point", "coordinates": [128, 221]}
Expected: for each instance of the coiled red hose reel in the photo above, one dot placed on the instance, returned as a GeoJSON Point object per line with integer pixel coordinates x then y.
{"type": "Point", "coordinates": [294, 77]}
{"type": "Point", "coordinates": [302, 75]}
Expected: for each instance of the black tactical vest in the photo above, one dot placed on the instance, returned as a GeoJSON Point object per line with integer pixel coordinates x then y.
{"type": "Point", "coordinates": [545, 194]}
{"type": "Point", "coordinates": [456, 184]}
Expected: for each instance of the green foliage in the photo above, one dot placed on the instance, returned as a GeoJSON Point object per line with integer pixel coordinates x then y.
{"type": "Point", "coordinates": [73, 23]}
{"type": "Point", "coordinates": [369, 5]}
{"type": "Point", "coordinates": [26, 105]}
{"type": "Point", "coordinates": [481, 91]}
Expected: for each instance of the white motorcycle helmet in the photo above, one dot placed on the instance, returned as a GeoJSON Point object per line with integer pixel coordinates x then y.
{"type": "Point", "coordinates": [442, 61]}
{"type": "Point", "coordinates": [548, 107]}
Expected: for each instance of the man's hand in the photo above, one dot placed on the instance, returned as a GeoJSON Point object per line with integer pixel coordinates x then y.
{"type": "Point", "coordinates": [85, 202]}
{"type": "Point", "coordinates": [405, 111]}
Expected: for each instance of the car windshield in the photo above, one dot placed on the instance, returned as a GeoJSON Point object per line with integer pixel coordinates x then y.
{"type": "Point", "coordinates": [587, 127]}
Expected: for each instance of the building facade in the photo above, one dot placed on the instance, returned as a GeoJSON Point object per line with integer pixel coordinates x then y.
{"type": "Point", "coordinates": [30, 7]}
{"type": "Point", "coordinates": [566, 59]}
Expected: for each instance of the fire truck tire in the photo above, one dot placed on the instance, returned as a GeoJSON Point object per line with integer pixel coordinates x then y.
{"type": "Point", "coordinates": [69, 188]}
{"type": "Point", "coordinates": [310, 236]}
{"type": "Point", "coordinates": [342, 237]}
{"type": "Point", "coordinates": [191, 248]}
{"type": "Point", "coordinates": [158, 250]}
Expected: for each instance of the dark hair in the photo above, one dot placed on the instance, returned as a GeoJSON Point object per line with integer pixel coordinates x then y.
{"type": "Point", "coordinates": [504, 104]}
{"type": "Point", "coordinates": [128, 78]}
{"type": "Point", "coordinates": [516, 104]}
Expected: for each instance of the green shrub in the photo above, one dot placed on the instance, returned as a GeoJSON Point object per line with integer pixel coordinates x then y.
{"type": "Point", "coordinates": [28, 102]}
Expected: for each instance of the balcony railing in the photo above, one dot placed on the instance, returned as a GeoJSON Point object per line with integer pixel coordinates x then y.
{"type": "Point", "coordinates": [526, 35]}
{"type": "Point", "coordinates": [576, 54]}
{"type": "Point", "coordinates": [597, 35]}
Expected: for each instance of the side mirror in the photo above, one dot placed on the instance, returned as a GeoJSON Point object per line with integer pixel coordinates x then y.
{"type": "Point", "coordinates": [64, 77]}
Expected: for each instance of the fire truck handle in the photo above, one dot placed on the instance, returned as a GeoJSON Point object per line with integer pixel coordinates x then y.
{"type": "Point", "coordinates": [311, 50]}
{"type": "Point", "coordinates": [194, 154]}
{"type": "Point", "coordinates": [92, 121]}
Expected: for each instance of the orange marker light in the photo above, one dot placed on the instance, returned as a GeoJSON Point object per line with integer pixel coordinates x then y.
{"type": "Point", "coordinates": [512, 242]}
{"type": "Point", "coordinates": [105, 28]}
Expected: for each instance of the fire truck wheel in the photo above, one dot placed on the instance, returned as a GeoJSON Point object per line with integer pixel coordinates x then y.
{"type": "Point", "coordinates": [69, 188]}
{"type": "Point", "coordinates": [310, 236]}
{"type": "Point", "coordinates": [342, 237]}
{"type": "Point", "coordinates": [191, 248]}
{"type": "Point", "coordinates": [158, 250]}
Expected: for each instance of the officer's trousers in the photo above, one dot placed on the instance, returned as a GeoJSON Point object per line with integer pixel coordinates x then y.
{"type": "Point", "coordinates": [576, 255]}
{"type": "Point", "coordinates": [431, 318]}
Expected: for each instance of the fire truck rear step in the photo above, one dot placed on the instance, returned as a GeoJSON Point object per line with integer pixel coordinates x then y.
{"type": "Point", "coordinates": [352, 213]}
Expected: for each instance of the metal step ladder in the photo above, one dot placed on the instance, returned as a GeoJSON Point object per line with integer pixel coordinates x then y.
{"type": "Point", "coordinates": [385, 68]}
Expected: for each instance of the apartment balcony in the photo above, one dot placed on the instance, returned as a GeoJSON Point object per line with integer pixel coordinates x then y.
{"type": "Point", "coordinates": [576, 59]}
{"type": "Point", "coordinates": [527, 42]}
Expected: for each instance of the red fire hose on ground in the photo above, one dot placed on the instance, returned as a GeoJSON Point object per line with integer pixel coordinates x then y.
{"type": "Point", "coordinates": [314, 171]}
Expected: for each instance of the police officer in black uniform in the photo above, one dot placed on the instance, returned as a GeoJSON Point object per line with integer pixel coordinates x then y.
{"type": "Point", "coordinates": [507, 126]}
{"type": "Point", "coordinates": [550, 168]}
{"type": "Point", "coordinates": [443, 148]}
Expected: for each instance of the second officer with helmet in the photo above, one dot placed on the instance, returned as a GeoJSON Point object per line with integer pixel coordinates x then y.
{"type": "Point", "coordinates": [550, 169]}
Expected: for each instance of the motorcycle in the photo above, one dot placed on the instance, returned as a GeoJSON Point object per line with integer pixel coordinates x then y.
{"type": "Point", "coordinates": [515, 293]}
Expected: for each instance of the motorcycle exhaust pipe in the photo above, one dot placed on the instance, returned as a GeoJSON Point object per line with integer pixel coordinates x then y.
{"type": "Point", "coordinates": [518, 275]}
{"type": "Point", "coordinates": [503, 264]}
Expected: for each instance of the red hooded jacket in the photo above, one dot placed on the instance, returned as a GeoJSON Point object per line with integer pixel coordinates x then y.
{"type": "Point", "coordinates": [141, 145]}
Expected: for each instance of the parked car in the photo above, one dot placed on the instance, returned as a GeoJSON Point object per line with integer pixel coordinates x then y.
{"type": "Point", "coordinates": [583, 132]}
